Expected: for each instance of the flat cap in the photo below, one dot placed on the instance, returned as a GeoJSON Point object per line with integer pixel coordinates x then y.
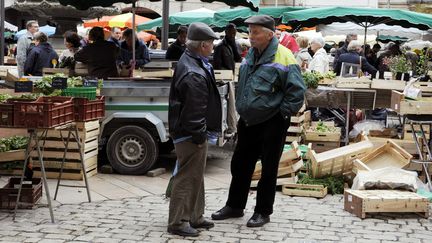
{"type": "Point", "coordinates": [200, 32]}
{"type": "Point", "coordinates": [263, 20]}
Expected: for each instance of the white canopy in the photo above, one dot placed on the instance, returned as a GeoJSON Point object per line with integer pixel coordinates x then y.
{"type": "Point", "coordinates": [10, 26]}
{"type": "Point", "coordinates": [381, 29]}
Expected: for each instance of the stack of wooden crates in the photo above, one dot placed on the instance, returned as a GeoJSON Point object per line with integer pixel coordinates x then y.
{"type": "Point", "coordinates": [54, 149]}
{"type": "Point", "coordinates": [296, 128]}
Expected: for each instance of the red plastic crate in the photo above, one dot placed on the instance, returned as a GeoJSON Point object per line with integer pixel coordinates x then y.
{"type": "Point", "coordinates": [45, 112]}
{"type": "Point", "coordinates": [7, 111]}
{"type": "Point", "coordinates": [30, 194]}
{"type": "Point", "coordinates": [87, 110]}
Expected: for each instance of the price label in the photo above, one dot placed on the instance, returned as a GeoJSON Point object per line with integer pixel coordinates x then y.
{"type": "Point", "coordinates": [23, 86]}
{"type": "Point", "coordinates": [59, 83]}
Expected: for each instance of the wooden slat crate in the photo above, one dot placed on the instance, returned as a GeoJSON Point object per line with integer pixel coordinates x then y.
{"type": "Point", "coordinates": [362, 82]}
{"type": "Point", "coordinates": [388, 155]}
{"type": "Point", "coordinates": [10, 156]}
{"type": "Point", "coordinates": [338, 161]}
{"type": "Point", "coordinates": [320, 147]}
{"type": "Point", "coordinates": [388, 84]}
{"type": "Point", "coordinates": [299, 118]}
{"type": "Point", "coordinates": [293, 137]}
{"type": "Point", "coordinates": [404, 106]}
{"type": "Point", "coordinates": [333, 136]}
{"type": "Point", "coordinates": [279, 181]}
{"type": "Point", "coordinates": [54, 148]}
{"type": "Point", "coordinates": [304, 190]}
{"type": "Point", "coordinates": [361, 202]}
{"type": "Point", "coordinates": [408, 131]}
{"type": "Point", "coordinates": [407, 145]}
{"type": "Point", "coordinates": [424, 86]}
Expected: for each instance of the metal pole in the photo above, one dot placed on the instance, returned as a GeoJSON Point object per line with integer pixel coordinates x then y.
{"type": "Point", "coordinates": [388, 3]}
{"type": "Point", "coordinates": [276, 3]}
{"type": "Point", "coordinates": [165, 24]}
{"type": "Point", "coordinates": [133, 31]}
{"type": "Point", "coordinates": [2, 30]}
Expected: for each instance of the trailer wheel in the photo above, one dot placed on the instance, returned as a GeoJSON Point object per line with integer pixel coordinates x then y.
{"type": "Point", "coordinates": [131, 150]}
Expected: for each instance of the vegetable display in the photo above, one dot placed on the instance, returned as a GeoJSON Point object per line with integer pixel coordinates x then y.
{"type": "Point", "coordinates": [13, 143]}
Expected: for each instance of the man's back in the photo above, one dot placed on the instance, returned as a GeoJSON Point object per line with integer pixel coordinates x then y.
{"type": "Point", "coordinates": [100, 57]}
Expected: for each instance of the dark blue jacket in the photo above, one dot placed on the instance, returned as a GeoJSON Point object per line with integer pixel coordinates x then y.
{"type": "Point", "coordinates": [39, 57]}
{"type": "Point", "coordinates": [354, 57]}
{"type": "Point", "coordinates": [142, 55]}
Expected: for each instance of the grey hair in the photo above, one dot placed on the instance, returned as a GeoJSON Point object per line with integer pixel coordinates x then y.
{"type": "Point", "coordinates": [194, 44]}
{"type": "Point", "coordinates": [30, 23]}
{"type": "Point", "coordinates": [350, 36]}
{"type": "Point", "coordinates": [318, 40]}
{"type": "Point", "coordinates": [267, 30]}
{"type": "Point", "coordinates": [354, 45]}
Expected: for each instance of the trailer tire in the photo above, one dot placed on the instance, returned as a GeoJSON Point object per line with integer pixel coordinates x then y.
{"type": "Point", "coordinates": [132, 150]}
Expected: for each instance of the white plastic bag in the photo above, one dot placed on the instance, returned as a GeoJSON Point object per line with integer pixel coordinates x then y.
{"type": "Point", "coordinates": [386, 178]}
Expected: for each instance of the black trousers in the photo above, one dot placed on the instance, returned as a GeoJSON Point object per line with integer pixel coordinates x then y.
{"type": "Point", "coordinates": [265, 141]}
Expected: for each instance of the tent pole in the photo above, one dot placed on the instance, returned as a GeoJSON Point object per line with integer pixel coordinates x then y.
{"type": "Point", "coordinates": [165, 24]}
{"type": "Point", "coordinates": [364, 43]}
{"type": "Point", "coordinates": [2, 31]}
{"type": "Point", "coordinates": [133, 37]}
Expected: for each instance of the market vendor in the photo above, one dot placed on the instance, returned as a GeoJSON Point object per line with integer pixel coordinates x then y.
{"type": "Point", "coordinates": [142, 55]}
{"type": "Point", "coordinates": [100, 55]}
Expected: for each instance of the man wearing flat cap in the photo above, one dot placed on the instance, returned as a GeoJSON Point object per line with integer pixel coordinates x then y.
{"type": "Point", "coordinates": [270, 90]}
{"type": "Point", "coordinates": [194, 117]}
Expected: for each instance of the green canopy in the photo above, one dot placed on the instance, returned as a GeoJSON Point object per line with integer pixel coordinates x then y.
{"type": "Point", "coordinates": [181, 18]}
{"type": "Point", "coordinates": [388, 38]}
{"type": "Point", "coordinates": [365, 17]}
{"type": "Point", "coordinates": [85, 4]}
{"type": "Point", "coordinates": [238, 15]}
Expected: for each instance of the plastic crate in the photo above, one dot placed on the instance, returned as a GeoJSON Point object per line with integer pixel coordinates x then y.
{"type": "Point", "coordinates": [87, 110]}
{"type": "Point", "coordinates": [83, 92]}
{"type": "Point", "coordinates": [45, 112]}
{"type": "Point", "coordinates": [30, 193]}
{"type": "Point", "coordinates": [7, 111]}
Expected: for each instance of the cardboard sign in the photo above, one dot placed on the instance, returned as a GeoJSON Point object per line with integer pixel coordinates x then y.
{"type": "Point", "coordinates": [59, 83]}
{"type": "Point", "coordinates": [23, 86]}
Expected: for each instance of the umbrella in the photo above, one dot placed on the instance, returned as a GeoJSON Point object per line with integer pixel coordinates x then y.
{"type": "Point", "coordinates": [388, 38]}
{"type": "Point", "coordinates": [381, 29]}
{"type": "Point", "coordinates": [48, 30]}
{"type": "Point", "coordinates": [10, 26]}
{"type": "Point", "coordinates": [85, 4]}
{"type": "Point", "coordinates": [365, 17]}
{"type": "Point", "coordinates": [203, 15]}
{"type": "Point", "coordinates": [238, 15]}
{"type": "Point", "coordinates": [121, 21]}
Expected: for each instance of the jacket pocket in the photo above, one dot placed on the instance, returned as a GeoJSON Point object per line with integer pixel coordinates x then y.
{"type": "Point", "coordinates": [264, 83]}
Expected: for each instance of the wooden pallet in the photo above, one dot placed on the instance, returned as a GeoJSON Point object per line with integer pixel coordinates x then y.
{"type": "Point", "coordinates": [361, 202]}
{"type": "Point", "coordinates": [304, 190]}
{"type": "Point", "coordinates": [338, 161]}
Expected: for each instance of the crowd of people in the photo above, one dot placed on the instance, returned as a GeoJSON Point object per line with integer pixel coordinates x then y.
{"type": "Point", "coordinates": [104, 57]}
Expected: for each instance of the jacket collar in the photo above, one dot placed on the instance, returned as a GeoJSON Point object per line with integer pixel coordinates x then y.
{"type": "Point", "coordinates": [267, 56]}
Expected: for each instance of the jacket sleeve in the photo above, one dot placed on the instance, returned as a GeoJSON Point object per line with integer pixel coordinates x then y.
{"type": "Point", "coordinates": [294, 89]}
{"type": "Point", "coordinates": [144, 57]}
{"type": "Point", "coordinates": [30, 62]}
{"type": "Point", "coordinates": [21, 51]}
{"type": "Point", "coordinates": [366, 66]}
{"type": "Point", "coordinates": [336, 57]}
{"type": "Point", "coordinates": [217, 58]}
{"type": "Point", "coordinates": [81, 56]}
{"type": "Point", "coordinates": [338, 67]}
{"type": "Point", "coordinates": [194, 92]}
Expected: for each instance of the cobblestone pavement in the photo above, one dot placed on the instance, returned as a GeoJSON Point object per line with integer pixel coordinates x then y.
{"type": "Point", "coordinates": [144, 219]}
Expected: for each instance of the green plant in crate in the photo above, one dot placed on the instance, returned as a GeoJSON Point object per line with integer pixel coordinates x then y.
{"type": "Point", "coordinates": [399, 64]}
{"type": "Point", "coordinates": [13, 143]}
{"type": "Point", "coordinates": [4, 97]}
{"type": "Point", "coordinates": [422, 63]}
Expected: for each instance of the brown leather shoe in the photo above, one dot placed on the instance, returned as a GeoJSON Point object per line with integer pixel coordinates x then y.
{"type": "Point", "coordinates": [183, 231]}
{"type": "Point", "coordinates": [204, 224]}
{"type": "Point", "coordinates": [258, 220]}
{"type": "Point", "coordinates": [226, 213]}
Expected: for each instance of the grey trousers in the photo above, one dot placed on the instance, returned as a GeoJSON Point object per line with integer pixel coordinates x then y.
{"type": "Point", "coordinates": [187, 195]}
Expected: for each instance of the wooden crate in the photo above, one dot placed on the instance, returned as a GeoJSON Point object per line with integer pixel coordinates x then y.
{"type": "Point", "coordinates": [299, 118]}
{"type": "Point", "coordinates": [363, 83]}
{"type": "Point", "coordinates": [407, 145]}
{"type": "Point", "coordinates": [295, 129]}
{"type": "Point", "coordinates": [404, 106]}
{"type": "Point", "coordinates": [54, 149]}
{"type": "Point", "coordinates": [320, 147]}
{"type": "Point", "coordinates": [388, 84]}
{"type": "Point", "coordinates": [326, 81]}
{"type": "Point", "coordinates": [304, 190]}
{"type": "Point", "coordinates": [408, 131]}
{"type": "Point", "coordinates": [293, 137]}
{"type": "Point", "coordinates": [48, 71]}
{"type": "Point", "coordinates": [360, 202]}
{"type": "Point", "coordinates": [224, 75]}
{"type": "Point", "coordinates": [291, 156]}
{"type": "Point", "coordinates": [388, 155]}
{"type": "Point", "coordinates": [279, 182]}
{"type": "Point", "coordinates": [163, 73]}
{"type": "Point", "coordinates": [14, 155]}
{"type": "Point", "coordinates": [338, 161]}
{"type": "Point", "coordinates": [333, 136]}
{"type": "Point", "coordinates": [424, 86]}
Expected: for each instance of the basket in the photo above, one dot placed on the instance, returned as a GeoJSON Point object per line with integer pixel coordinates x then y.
{"type": "Point", "coordinates": [84, 92]}
{"type": "Point", "coordinates": [7, 111]}
{"type": "Point", "coordinates": [87, 110]}
{"type": "Point", "coordinates": [45, 112]}
{"type": "Point", "coordinates": [30, 193]}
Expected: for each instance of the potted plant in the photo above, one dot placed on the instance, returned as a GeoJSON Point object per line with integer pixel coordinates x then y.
{"type": "Point", "coordinates": [399, 65]}
{"type": "Point", "coordinates": [422, 64]}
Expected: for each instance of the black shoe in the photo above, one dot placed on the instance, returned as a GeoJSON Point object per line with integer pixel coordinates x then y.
{"type": "Point", "coordinates": [258, 220]}
{"type": "Point", "coordinates": [205, 224]}
{"type": "Point", "coordinates": [183, 231]}
{"type": "Point", "coordinates": [226, 213]}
